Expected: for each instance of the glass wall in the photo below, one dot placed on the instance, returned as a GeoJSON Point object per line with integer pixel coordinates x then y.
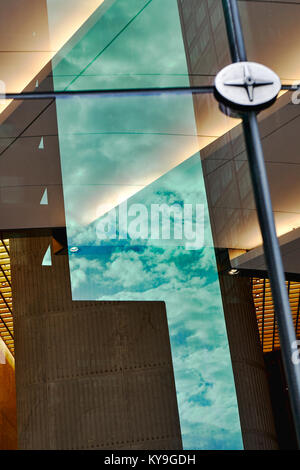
{"type": "Point", "coordinates": [128, 212]}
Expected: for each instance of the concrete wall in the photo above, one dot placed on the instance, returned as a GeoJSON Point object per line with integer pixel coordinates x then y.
{"type": "Point", "coordinates": [89, 374]}
{"type": "Point", "coordinates": [8, 418]}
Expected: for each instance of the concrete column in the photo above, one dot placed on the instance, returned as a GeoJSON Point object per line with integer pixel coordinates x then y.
{"type": "Point", "coordinates": [251, 383]}
{"type": "Point", "coordinates": [90, 375]}
{"type": "Point", "coordinates": [8, 418]}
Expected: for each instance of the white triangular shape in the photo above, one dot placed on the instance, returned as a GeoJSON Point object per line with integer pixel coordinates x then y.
{"type": "Point", "coordinates": [44, 200]}
{"type": "Point", "coordinates": [41, 146]}
{"type": "Point", "coordinates": [47, 261]}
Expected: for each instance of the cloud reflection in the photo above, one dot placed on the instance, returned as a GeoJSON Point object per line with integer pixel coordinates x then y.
{"type": "Point", "coordinates": [138, 149]}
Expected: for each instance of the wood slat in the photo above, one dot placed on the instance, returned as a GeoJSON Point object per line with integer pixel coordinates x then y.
{"type": "Point", "coordinates": [6, 319]}
{"type": "Point", "coordinates": [267, 325]}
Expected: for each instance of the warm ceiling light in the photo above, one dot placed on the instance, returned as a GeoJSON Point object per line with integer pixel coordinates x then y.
{"type": "Point", "coordinates": [232, 272]}
{"type": "Point", "coordinates": [64, 20]}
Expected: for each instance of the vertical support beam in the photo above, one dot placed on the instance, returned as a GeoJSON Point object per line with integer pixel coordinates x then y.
{"type": "Point", "coordinates": [252, 388]}
{"type": "Point", "coordinates": [8, 418]}
{"type": "Point", "coordinates": [266, 220]}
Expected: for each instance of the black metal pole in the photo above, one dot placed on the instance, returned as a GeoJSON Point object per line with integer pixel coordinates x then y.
{"type": "Point", "coordinates": [48, 95]}
{"type": "Point", "coordinates": [266, 220]}
{"type": "Point", "coordinates": [234, 31]}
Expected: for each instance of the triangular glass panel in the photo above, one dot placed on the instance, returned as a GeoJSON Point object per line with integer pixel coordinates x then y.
{"type": "Point", "coordinates": [44, 200]}
{"type": "Point", "coordinates": [47, 261]}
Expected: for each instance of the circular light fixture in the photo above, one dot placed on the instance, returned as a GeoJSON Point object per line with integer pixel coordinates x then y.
{"type": "Point", "coordinates": [74, 249]}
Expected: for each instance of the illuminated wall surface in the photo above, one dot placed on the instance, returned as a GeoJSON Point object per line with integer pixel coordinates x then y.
{"type": "Point", "coordinates": [8, 419]}
{"type": "Point", "coordinates": [123, 156]}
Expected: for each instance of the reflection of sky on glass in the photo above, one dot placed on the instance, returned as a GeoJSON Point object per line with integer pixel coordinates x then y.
{"type": "Point", "coordinates": [126, 44]}
{"type": "Point", "coordinates": [138, 149]}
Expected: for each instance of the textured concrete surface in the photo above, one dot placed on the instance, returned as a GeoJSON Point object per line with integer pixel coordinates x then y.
{"type": "Point", "coordinates": [8, 418]}
{"type": "Point", "coordinates": [89, 374]}
{"type": "Point", "coordinates": [252, 388]}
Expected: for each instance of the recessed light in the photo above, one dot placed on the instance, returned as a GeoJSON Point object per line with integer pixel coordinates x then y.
{"type": "Point", "coordinates": [74, 249]}
{"type": "Point", "coordinates": [232, 272]}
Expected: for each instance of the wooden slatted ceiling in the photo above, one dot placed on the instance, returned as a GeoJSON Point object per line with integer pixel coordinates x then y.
{"type": "Point", "coordinates": [263, 302]}
{"type": "Point", "coordinates": [6, 318]}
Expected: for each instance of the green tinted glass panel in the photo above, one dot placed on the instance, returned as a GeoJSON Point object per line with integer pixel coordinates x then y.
{"type": "Point", "coordinates": [124, 44]}
{"type": "Point", "coordinates": [138, 230]}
